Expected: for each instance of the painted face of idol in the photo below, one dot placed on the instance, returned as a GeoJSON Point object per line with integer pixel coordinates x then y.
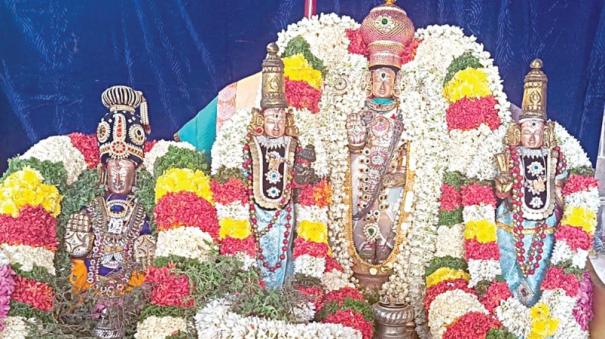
{"type": "Point", "coordinates": [532, 133]}
{"type": "Point", "coordinates": [383, 82]}
{"type": "Point", "coordinates": [275, 122]}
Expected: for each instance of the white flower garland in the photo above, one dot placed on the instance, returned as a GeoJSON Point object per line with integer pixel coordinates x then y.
{"type": "Point", "coordinates": [186, 242]}
{"type": "Point", "coordinates": [160, 327]}
{"type": "Point", "coordinates": [216, 320]}
{"type": "Point", "coordinates": [59, 149]}
{"type": "Point", "coordinates": [27, 257]}
{"type": "Point", "coordinates": [442, 313]}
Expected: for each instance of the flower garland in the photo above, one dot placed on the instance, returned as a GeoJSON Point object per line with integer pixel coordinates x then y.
{"type": "Point", "coordinates": [187, 230]}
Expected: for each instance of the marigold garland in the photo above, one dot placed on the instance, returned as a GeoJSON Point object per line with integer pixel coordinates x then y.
{"type": "Point", "coordinates": [26, 187]}
{"type": "Point", "coordinates": [468, 83]}
{"type": "Point", "coordinates": [183, 179]}
{"type": "Point", "coordinates": [581, 218]}
{"type": "Point", "coordinates": [233, 228]}
{"type": "Point", "coordinates": [445, 273]}
{"type": "Point", "coordinates": [484, 231]}
{"type": "Point", "coordinates": [297, 68]}
{"type": "Point", "coordinates": [313, 231]}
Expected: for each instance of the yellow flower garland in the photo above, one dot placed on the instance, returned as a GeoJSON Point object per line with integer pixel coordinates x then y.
{"type": "Point", "coordinates": [183, 179]}
{"type": "Point", "coordinates": [580, 217]}
{"type": "Point", "coordinates": [468, 83]}
{"type": "Point", "coordinates": [445, 273]}
{"type": "Point", "coordinates": [234, 228]}
{"type": "Point", "coordinates": [542, 324]}
{"type": "Point", "coordinates": [26, 187]}
{"type": "Point", "coordinates": [297, 68]}
{"type": "Point", "coordinates": [313, 231]}
{"type": "Point", "coordinates": [483, 231]}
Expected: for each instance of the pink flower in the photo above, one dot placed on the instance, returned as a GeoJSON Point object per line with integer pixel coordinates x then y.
{"type": "Point", "coordinates": [34, 293]}
{"type": "Point", "coordinates": [186, 209]}
{"type": "Point", "coordinates": [466, 114]}
{"type": "Point", "coordinates": [450, 198]}
{"type": "Point", "coordinates": [34, 227]}
{"type": "Point", "coordinates": [7, 287]}
{"type": "Point", "coordinates": [232, 246]}
{"type": "Point", "coordinates": [576, 183]}
{"type": "Point", "coordinates": [496, 293]}
{"type": "Point", "coordinates": [356, 45]}
{"type": "Point", "coordinates": [471, 325]}
{"type": "Point", "coordinates": [230, 191]}
{"type": "Point", "coordinates": [478, 251]}
{"type": "Point", "coordinates": [169, 288]}
{"type": "Point", "coordinates": [88, 146]}
{"type": "Point", "coordinates": [575, 237]}
{"type": "Point", "coordinates": [301, 95]}
{"type": "Point", "coordinates": [557, 278]}
{"type": "Point", "coordinates": [313, 293]}
{"type": "Point", "coordinates": [301, 247]}
{"type": "Point", "coordinates": [583, 309]}
{"type": "Point", "coordinates": [332, 264]}
{"type": "Point", "coordinates": [477, 194]}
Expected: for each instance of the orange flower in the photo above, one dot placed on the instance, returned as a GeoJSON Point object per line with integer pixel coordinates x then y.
{"type": "Point", "coordinates": [78, 276]}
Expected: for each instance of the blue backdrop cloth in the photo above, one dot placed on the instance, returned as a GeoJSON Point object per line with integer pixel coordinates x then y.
{"type": "Point", "coordinates": [57, 57]}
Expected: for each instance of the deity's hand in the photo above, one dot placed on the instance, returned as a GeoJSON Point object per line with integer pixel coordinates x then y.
{"type": "Point", "coordinates": [356, 132]}
{"type": "Point", "coordinates": [504, 184]}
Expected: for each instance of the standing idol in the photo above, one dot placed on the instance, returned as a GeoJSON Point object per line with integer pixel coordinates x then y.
{"type": "Point", "coordinates": [532, 172]}
{"type": "Point", "coordinates": [379, 176]}
{"type": "Point", "coordinates": [110, 241]}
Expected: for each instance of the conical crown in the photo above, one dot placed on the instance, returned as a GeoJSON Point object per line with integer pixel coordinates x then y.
{"type": "Point", "coordinates": [535, 93]}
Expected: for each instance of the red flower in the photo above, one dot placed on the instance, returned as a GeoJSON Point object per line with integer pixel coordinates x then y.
{"type": "Point", "coordinates": [88, 146]}
{"type": "Point", "coordinates": [319, 194]}
{"type": "Point", "coordinates": [230, 191]}
{"type": "Point", "coordinates": [149, 145]}
{"type": "Point", "coordinates": [356, 45]}
{"type": "Point", "coordinates": [477, 194]}
{"type": "Point", "coordinates": [576, 183]}
{"type": "Point", "coordinates": [468, 113]}
{"type": "Point", "coordinates": [450, 198]}
{"type": "Point", "coordinates": [496, 293]}
{"type": "Point", "coordinates": [232, 246]}
{"type": "Point", "coordinates": [442, 287]}
{"type": "Point", "coordinates": [352, 319]}
{"type": "Point", "coordinates": [478, 251]}
{"type": "Point", "coordinates": [34, 293]}
{"type": "Point", "coordinates": [339, 296]}
{"type": "Point", "coordinates": [557, 278]}
{"type": "Point", "coordinates": [574, 237]}
{"type": "Point", "coordinates": [471, 325]}
{"type": "Point", "coordinates": [314, 293]}
{"type": "Point", "coordinates": [186, 209]}
{"type": "Point", "coordinates": [409, 53]}
{"type": "Point", "coordinates": [301, 95]}
{"type": "Point", "coordinates": [168, 288]}
{"type": "Point", "coordinates": [301, 246]}
{"type": "Point", "coordinates": [33, 227]}
{"type": "Point", "coordinates": [332, 264]}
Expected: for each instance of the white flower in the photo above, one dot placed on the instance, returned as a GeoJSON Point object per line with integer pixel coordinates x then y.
{"type": "Point", "coordinates": [27, 257]}
{"type": "Point", "coordinates": [59, 149]}
{"type": "Point", "coordinates": [186, 242]}
{"type": "Point", "coordinates": [450, 241]}
{"type": "Point", "coordinates": [335, 280]}
{"type": "Point", "coordinates": [310, 265]}
{"type": "Point", "coordinates": [160, 327]}
{"type": "Point", "coordinates": [442, 314]}
{"type": "Point", "coordinates": [160, 149]}
{"type": "Point", "coordinates": [312, 213]}
{"type": "Point", "coordinates": [483, 270]}
{"type": "Point", "coordinates": [16, 328]}
{"type": "Point", "coordinates": [234, 210]}
{"type": "Point", "coordinates": [479, 212]}
{"type": "Point", "coordinates": [587, 199]}
{"type": "Point", "coordinates": [515, 316]}
{"type": "Point", "coordinates": [227, 149]}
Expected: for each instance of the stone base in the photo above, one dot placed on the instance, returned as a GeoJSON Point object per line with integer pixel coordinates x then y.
{"type": "Point", "coordinates": [394, 321]}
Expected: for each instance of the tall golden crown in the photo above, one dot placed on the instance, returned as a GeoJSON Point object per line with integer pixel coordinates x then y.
{"type": "Point", "coordinates": [273, 87]}
{"type": "Point", "coordinates": [386, 30]}
{"type": "Point", "coordinates": [534, 93]}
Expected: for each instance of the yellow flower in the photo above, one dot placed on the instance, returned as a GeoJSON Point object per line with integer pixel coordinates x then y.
{"type": "Point", "coordinates": [482, 230]}
{"type": "Point", "coordinates": [25, 187]}
{"type": "Point", "coordinates": [183, 180]}
{"type": "Point", "coordinates": [445, 273]}
{"type": "Point", "coordinates": [297, 68]}
{"type": "Point", "coordinates": [234, 228]}
{"type": "Point", "coordinates": [468, 83]}
{"type": "Point", "coordinates": [544, 328]}
{"type": "Point", "coordinates": [313, 231]}
{"type": "Point", "coordinates": [539, 311]}
{"type": "Point", "coordinates": [581, 218]}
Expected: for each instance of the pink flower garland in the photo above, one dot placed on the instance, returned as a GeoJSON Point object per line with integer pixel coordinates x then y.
{"type": "Point", "coordinates": [34, 293]}
{"type": "Point", "coordinates": [574, 237]}
{"type": "Point", "coordinates": [332, 264]}
{"type": "Point", "coordinates": [301, 95]}
{"type": "Point", "coordinates": [471, 325]}
{"type": "Point", "coordinates": [232, 246]}
{"type": "Point", "coordinates": [576, 183]}
{"type": "Point", "coordinates": [466, 114]}
{"type": "Point", "coordinates": [557, 278]}
{"type": "Point", "coordinates": [450, 198]}
{"type": "Point", "coordinates": [33, 227]}
{"type": "Point", "coordinates": [583, 309]}
{"type": "Point", "coordinates": [315, 249]}
{"type": "Point", "coordinates": [478, 251]}
{"type": "Point", "coordinates": [7, 287]}
{"type": "Point", "coordinates": [88, 146]}
{"type": "Point", "coordinates": [477, 194]}
{"type": "Point", "coordinates": [186, 209]}
{"type": "Point", "coordinates": [356, 44]}
{"type": "Point", "coordinates": [496, 293]}
{"type": "Point", "coordinates": [231, 191]}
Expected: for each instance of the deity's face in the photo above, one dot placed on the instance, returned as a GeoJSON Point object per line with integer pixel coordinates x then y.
{"type": "Point", "coordinates": [532, 133]}
{"type": "Point", "coordinates": [275, 122]}
{"type": "Point", "coordinates": [383, 82]}
{"type": "Point", "coordinates": [120, 176]}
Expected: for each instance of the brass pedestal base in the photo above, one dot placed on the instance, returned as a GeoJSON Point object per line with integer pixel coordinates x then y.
{"type": "Point", "coordinates": [394, 321]}
{"type": "Point", "coordinates": [371, 281]}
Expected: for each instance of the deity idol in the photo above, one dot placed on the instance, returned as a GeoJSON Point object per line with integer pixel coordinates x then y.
{"type": "Point", "coordinates": [272, 147]}
{"type": "Point", "coordinates": [531, 175]}
{"type": "Point", "coordinates": [110, 241]}
{"type": "Point", "coordinates": [379, 157]}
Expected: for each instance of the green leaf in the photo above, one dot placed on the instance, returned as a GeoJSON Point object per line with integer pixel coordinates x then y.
{"type": "Point", "coordinates": [466, 60]}
{"type": "Point", "coordinates": [54, 173]}
{"type": "Point", "coordinates": [178, 157]}
{"type": "Point", "coordinates": [450, 218]}
{"type": "Point", "coordinates": [448, 261]}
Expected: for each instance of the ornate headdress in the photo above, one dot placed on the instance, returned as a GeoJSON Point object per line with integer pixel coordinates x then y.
{"type": "Point", "coordinates": [273, 87]}
{"type": "Point", "coordinates": [534, 93]}
{"type": "Point", "coordinates": [122, 132]}
{"type": "Point", "coordinates": [386, 31]}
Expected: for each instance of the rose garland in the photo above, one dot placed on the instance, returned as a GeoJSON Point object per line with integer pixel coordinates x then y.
{"type": "Point", "coordinates": [187, 229]}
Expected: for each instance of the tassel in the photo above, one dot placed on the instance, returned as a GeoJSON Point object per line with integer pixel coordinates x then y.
{"type": "Point", "coordinates": [145, 115]}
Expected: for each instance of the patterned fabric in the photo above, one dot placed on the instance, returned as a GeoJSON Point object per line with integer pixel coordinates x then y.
{"type": "Point", "coordinates": [56, 60]}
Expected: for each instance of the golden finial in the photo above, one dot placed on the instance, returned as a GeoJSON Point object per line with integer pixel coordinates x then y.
{"type": "Point", "coordinates": [535, 92]}
{"type": "Point", "coordinates": [390, 2]}
{"type": "Point", "coordinates": [273, 88]}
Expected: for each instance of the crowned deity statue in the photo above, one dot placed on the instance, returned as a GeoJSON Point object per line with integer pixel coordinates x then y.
{"type": "Point", "coordinates": [531, 174]}
{"type": "Point", "coordinates": [273, 171]}
{"type": "Point", "coordinates": [110, 240]}
{"type": "Point", "coordinates": [379, 175]}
